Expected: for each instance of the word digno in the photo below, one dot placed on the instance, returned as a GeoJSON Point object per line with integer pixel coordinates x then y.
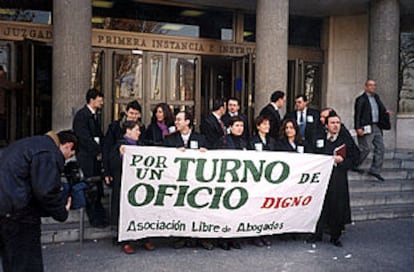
{"type": "Point", "coordinates": [205, 172]}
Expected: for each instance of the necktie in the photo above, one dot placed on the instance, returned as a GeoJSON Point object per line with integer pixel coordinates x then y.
{"type": "Point", "coordinates": [302, 125]}
{"type": "Point", "coordinates": [224, 131]}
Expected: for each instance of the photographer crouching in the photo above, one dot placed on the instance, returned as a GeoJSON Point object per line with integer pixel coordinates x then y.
{"type": "Point", "coordinates": [30, 188]}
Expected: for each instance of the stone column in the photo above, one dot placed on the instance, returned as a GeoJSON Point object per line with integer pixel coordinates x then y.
{"type": "Point", "coordinates": [72, 32]}
{"type": "Point", "coordinates": [383, 60]}
{"type": "Point", "coordinates": [272, 19]}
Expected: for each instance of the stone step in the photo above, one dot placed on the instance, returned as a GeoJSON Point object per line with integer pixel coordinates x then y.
{"type": "Point", "coordinates": [69, 232]}
{"type": "Point", "coordinates": [369, 186]}
{"type": "Point", "coordinates": [363, 199]}
{"type": "Point", "coordinates": [387, 174]}
{"type": "Point", "coordinates": [382, 212]}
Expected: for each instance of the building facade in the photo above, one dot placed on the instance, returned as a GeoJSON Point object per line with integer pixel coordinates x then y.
{"type": "Point", "coordinates": [186, 53]}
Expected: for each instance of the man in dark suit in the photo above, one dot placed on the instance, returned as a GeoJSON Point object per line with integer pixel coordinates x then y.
{"type": "Point", "coordinates": [212, 127]}
{"type": "Point", "coordinates": [87, 127]}
{"type": "Point", "coordinates": [306, 118]}
{"type": "Point", "coordinates": [185, 136]}
{"type": "Point", "coordinates": [370, 118]}
{"type": "Point", "coordinates": [233, 109]}
{"type": "Point", "coordinates": [271, 112]}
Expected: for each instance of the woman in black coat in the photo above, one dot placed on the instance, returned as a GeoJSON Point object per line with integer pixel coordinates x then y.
{"type": "Point", "coordinates": [289, 137]}
{"type": "Point", "coordinates": [161, 121]}
{"type": "Point", "coordinates": [131, 132]}
{"type": "Point", "coordinates": [235, 139]}
{"type": "Point", "coordinates": [261, 140]}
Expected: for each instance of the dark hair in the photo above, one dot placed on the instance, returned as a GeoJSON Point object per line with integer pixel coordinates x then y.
{"type": "Point", "coordinates": [128, 125]}
{"type": "Point", "coordinates": [218, 103]}
{"type": "Point", "coordinates": [1, 68]}
{"type": "Point", "coordinates": [276, 95]}
{"type": "Point", "coordinates": [258, 121]}
{"type": "Point", "coordinates": [168, 116]}
{"type": "Point", "coordinates": [235, 119]}
{"type": "Point", "coordinates": [134, 105]}
{"type": "Point", "coordinates": [93, 94]}
{"type": "Point", "coordinates": [234, 99]}
{"type": "Point", "coordinates": [188, 115]}
{"type": "Point", "coordinates": [303, 96]}
{"type": "Point", "coordinates": [68, 136]}
{"type": "Point", "coordinates": [330, 115]}
{"type": "Point", "coordinates": [282, 133]}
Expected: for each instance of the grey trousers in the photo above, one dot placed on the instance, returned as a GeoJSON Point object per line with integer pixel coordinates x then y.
{"type": "Point", "coordinates": [375, 142]}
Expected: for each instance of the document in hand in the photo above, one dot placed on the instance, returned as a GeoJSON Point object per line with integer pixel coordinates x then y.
{"type": "Point", "coordinates": [340, 151]}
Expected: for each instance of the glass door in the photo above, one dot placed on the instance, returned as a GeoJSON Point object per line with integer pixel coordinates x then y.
{"type": "Point", "coordinates": [304, 77]}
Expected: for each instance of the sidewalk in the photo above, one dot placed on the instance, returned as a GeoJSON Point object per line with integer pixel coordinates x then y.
{"type": "Point", "coordinates": [386, 245]}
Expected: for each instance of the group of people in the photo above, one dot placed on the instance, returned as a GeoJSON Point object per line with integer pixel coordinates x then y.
{"type": "Point", "coordinates": [30, 169]}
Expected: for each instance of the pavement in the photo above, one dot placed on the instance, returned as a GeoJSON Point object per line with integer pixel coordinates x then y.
{"type": "Point", "coordinates": [380, 245]}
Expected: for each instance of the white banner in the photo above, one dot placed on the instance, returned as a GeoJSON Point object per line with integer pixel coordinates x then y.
{"type": "Point", "coordinates": [220, 193]}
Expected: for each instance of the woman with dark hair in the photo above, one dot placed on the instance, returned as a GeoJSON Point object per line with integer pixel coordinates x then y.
{"type": "Point", "coordinates": [131, 133]}
{"type": "Point", "coordinates": [161, 121]}
{"type": "Point", "coordinates": [261, 140]}
{"type": "Point", "coordinates": [289, 137]}
{"type": "Point", "coordinates": [235, 140]}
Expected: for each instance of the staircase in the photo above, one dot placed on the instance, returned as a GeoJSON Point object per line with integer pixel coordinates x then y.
{"type": "Point", "coordinates": [370, 199]}
{"type": "Point", "coordinates": [393, 198]}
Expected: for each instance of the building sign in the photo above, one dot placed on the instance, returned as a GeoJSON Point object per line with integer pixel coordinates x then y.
{"type": "Point", "coordinates": [220, 193]}
{"type": "Point", "coordinates": [18, 31]}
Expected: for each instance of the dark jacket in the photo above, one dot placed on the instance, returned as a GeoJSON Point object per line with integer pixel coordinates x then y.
{"type": "Point", "coordinates": [87, 128]}
{"type": "Point", "coordinates": [362, 113]}
{"type": "Point", "coordinates": [274, 118]}
{"type": "Point", "coordinates": [234, 142]}
{"type": "Point", "coordinates": [312, 122]}
{"type": "Point", "coordinates": [269, 146]}
{"type": "Point", "coordinates": [30, 180]}
{"type": "Point", "coordinates": [226, 120]}
{"type": "Point", "coordinates": [212, 130]}
{"type": "Point", "coordinates": [113, 134]}
{"type": "Point", "coordinates": [175, 140]}
{"type": "Point", "coordinates": [284, 145]}
{"type": "Point", "coordinates": [153, 135]}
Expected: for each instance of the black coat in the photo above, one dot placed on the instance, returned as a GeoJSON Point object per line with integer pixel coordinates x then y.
{"type": "Point", "coordinates": [87, 128]}
{"type": "Point", "coordinates": [153, 135]}
{"type": "Point", "coordinates": [113, 134]}
{"type": "Point", "coordinates": [175, 140]}
{"type": "Point", "coordinates": [269, 146]}
{"type": "Point", "coordinates": [336, 208]}
{"type": "Point", "coordinates": [235, 142]}
{"type": "Point", "coordinates": [213, 131]}
{"type": "Point", "coordinates": [226, 120]}
{"type": "Point", "coordinates": [363, 116]}
{"type": "Point", "coordinates": [30, 184]}
{"type": "Point", "coordinates": [116, 170]}
{"type": "Point", "coordinates": [274, 118]}
{"type": "Point", "coordinates": [284, 145]}
{"type": "Point", "coordinates": [312, 122]}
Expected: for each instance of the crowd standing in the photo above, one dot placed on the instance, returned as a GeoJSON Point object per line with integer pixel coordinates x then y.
{"type": "Point", "coordinates": [99, 156]}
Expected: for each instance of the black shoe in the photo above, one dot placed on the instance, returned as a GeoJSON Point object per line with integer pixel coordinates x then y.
{"type": "Point", "coordinates": [258, 242]}
{"type": "Point", "coordinates": [224, 245]}
{"type": "Point", "coordinates": [336, 242]}
{"type": "Point", "coordinates": [314, 238]}
{"type": "Point", "coordinates": [206, 245]}
{"type": "Point", "coordinates": [235, 244]}
{"type": "Point", "coordinates": [179, 244]}
{"type": "Point", "coordinates": [378, 176]}
{"type": "Point", "coordinates": [358, 170]}
{"type": "Point", "coordinates": [266, 241]}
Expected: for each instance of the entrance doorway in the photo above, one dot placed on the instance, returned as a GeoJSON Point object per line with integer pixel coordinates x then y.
{"type": "Point", "coordinates": [228, 77]}
{"type": "Point", "coordinates": [26, 106]}
{"type": "Point", "coordinates": [304, 77]}
{"type": "Point", "coordinates": [148, 77]}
